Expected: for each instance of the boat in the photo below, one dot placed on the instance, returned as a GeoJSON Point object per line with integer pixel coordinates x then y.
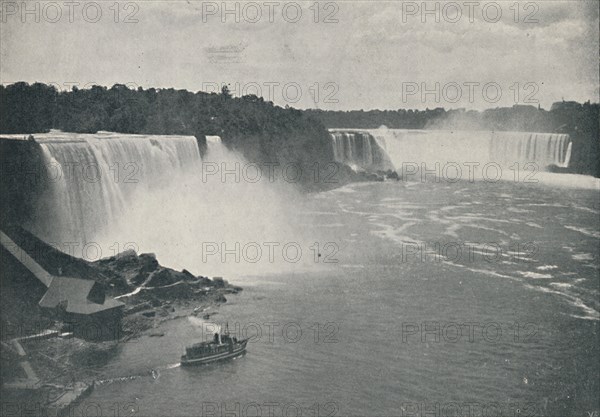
{"type": "Point", "coordinates": [222, 347]}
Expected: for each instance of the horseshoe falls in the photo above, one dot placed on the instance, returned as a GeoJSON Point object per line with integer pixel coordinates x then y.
{"type": "Point", "coordinates": [403, 147]}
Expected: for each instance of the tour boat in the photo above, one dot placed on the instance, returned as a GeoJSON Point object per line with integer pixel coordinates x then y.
{"type": "Point", "coordinates": [222, 347]}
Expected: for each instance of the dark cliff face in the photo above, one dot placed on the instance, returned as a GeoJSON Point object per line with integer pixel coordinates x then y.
{"type": "Point", "coordinates": [22, 176]}
{"type": "Point", "coordinates": [202, 145]}
{"type": "Point", "coordinates": [20, 293]}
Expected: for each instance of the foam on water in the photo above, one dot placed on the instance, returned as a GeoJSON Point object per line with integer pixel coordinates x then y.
{"type": "Point", "coordinates": [534, 275]}
{"type": "Point", "coordinates": [546, 267]}
{"type": "Point", "coordinates": [427, 227]}
{"type": "Point", "coordinates": [585, 231]}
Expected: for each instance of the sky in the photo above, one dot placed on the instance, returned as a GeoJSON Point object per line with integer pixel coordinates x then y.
{"type": "Point", "coordinates": [334, 55]}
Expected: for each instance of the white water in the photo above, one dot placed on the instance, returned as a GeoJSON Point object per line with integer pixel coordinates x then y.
{"type": "Point", "coordinates": [425, 149]}
{"type": "Point", "coordinates": [156, 194]}
{"type": "Point", "coordinates": [110, 192]}
{"type": "Point", "coordinates": [91, 178]}
{"type": "Point", "coordinates": [360, 150]}
{"type": "Point", "coordinates": [544, 149]}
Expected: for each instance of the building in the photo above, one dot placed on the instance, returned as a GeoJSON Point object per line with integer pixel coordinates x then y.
{"type": "Point", "coordinates": [83, 306]}
{"type": "Point", "coordinates": [80, 303]}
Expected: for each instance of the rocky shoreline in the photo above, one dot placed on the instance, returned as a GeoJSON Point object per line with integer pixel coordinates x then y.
{"type": "Point", "coordinates": [153, 293]}
{"type": "Point", "coordinates": [65, 368]}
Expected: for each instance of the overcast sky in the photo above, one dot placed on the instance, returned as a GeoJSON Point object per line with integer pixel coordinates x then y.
{"type": "Point", "coordinates": [358, 55]}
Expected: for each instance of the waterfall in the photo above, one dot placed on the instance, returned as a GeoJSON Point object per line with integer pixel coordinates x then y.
{"type": "Point", "coordinates": [109, 192]}
{"type": "Point", "coordinates": [430, 148]}
{"type": "Point", "coordinates": [544, 149]}
{"type": "Point", "coordinates": [92, 177]}
{"type": "Point", "coordinates": [359, 150]}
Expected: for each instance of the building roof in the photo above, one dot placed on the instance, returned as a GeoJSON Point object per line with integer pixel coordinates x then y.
{"type": "Point", "coordinates": [75, 295]}
{"type": "Point", "coordinates": [80, 296]}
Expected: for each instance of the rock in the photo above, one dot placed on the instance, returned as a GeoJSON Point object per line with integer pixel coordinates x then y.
{"type": "Point", "coordinates": [393, 175]}
{"type": "Point", "coordinates": [129, 253]}
{"type": "Point", "coordinates": [161, 278]}
{"type": "Point", "coordinates": [203, 281]}
{"type": "Point", "coordinates": [149, 262]}
{"type": "Point", "coordinates": [180, 291]}
{"type": "Point", "coordinates": [374, 177]}
{"type": "Point", "coordinates": [138, 279]}
{"type": "Point", "coordinates": [138, 307]}
{"type": "Point", "coordinates": [218, 281]}
{"type": "Point", "coordinates": [188, 275]}
{"type": "Point", "coordinates": [127, 269]}
{"type": "Point", "coordinates": [155, 302]}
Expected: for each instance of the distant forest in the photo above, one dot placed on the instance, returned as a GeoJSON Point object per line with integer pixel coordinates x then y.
{"type": "Point", "coordinates": [258, 129]}
{"type": "Point", "coordinates": [264, 132]}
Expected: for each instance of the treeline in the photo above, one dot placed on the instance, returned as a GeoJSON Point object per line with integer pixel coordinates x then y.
{"type": "Point", "coordinates": [580, 121]}
{"type": "Point", "coordinates": [264, 132]}
{"type": "Point", "coordinates": [260, 130]}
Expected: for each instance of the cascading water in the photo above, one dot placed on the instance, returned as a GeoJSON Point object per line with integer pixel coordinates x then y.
{"type": "Point", "coordinates": [359, 150]}
{"type": "Point", "coordinates": [91, 178]}
{"type": "Point", "coordinates": [544, 149]}
{"type": "Point", "coordinates": [431, 147]}
{"type": "Point", "coordinates": [109, 192]}
{"type": "Point", "coordinates": [516, 150]}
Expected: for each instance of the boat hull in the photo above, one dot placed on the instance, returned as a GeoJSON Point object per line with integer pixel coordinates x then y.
{"type": "Point", "coordinates": [185, 361]}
